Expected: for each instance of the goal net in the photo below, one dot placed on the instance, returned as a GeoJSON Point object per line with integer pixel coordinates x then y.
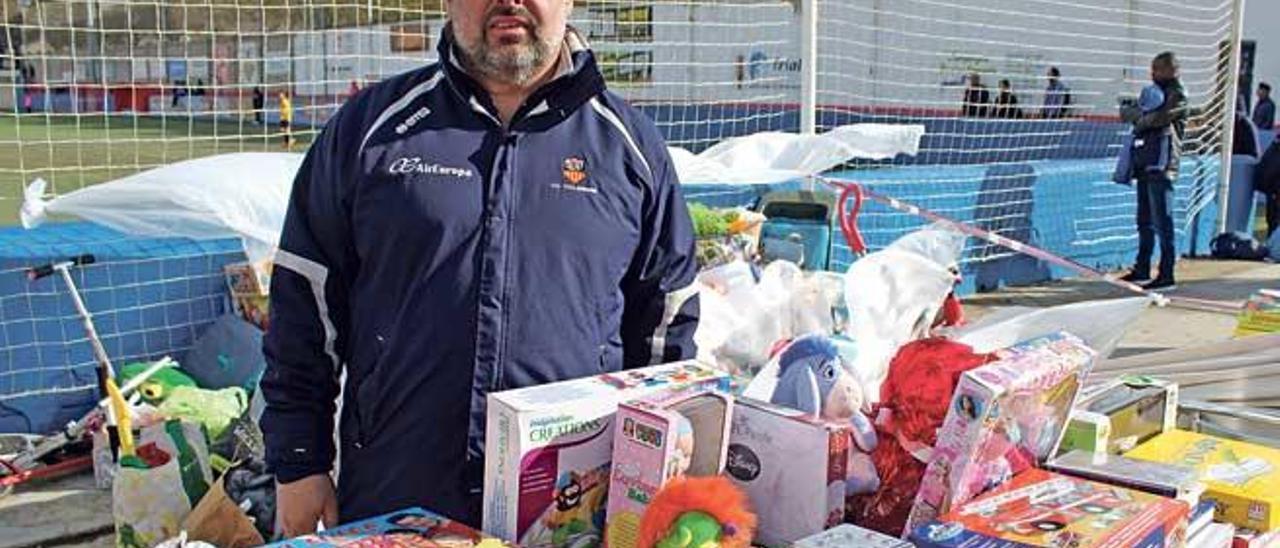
{"type": "Point", "coordinates": [93, 90]}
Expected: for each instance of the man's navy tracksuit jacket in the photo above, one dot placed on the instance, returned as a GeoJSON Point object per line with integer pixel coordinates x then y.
{"type": "Point", "coordinates": [434, 256]}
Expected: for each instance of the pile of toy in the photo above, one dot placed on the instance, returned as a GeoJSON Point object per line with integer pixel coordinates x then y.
{"type": "Point", "coordinates": [829, 411]}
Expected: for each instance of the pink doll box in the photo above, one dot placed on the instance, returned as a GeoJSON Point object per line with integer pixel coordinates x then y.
{"type": "Point", "coordinates": [649, 449]}
{"type": "Point", "coordinates": [1005, 416]}
{"type": "Point", "coordinates": [792, 467]}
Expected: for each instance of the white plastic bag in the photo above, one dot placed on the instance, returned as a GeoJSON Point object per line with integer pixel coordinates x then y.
{"type": "Point", "coordinates": [242, 195]}
{"type": "Point", "coordinates": [894, 295]}
{"type": "Point", "coordinates": [775, 157]}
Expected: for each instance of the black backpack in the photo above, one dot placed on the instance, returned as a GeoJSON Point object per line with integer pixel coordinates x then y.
{"type": "Point", "coordinates": [1237, 246]}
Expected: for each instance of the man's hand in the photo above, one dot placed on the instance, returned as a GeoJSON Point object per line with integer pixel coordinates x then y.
{"type": "Point", "coordinates": [300, 504]}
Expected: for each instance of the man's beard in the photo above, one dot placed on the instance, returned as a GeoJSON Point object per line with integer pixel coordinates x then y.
{"type": "Point", "coordinates": [515, 64]}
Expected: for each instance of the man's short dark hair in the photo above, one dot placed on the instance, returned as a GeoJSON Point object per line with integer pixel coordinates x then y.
{"type": "Point", "coordinates": [1265, 86]}
{"type": "Point", "coordinates": [1054, 72]}
{"type": "Point", "coordinates": [1165, 59]}
{"type": "Point", "coordinates": [1005, 83]}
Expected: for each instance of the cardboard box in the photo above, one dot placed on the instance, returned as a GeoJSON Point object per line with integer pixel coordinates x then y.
{"type": "Point", "coordinates": [548, 450]}
{"type": "Point", "coordinates": [1167, 480]}
{"type": "Point", "coordinates": [792, 467]}
{"type": "Point", "coordinates": [1040, 508]}
{"type": "Point", "coordinates": [1004, 416]}
{"type": "Point", "coordinates": [409, 527]}
{"type": "Point", "coordinates": [648, 450]}
{"type": "Point", "coordinates": [1243, 478]}
{"type": "Point", "coordinates": [250, 287]}
{"type": "Point", "coordinates": [1121, 415]}
{"type": "Point", "coordinates": [1260, 315]}
{"type": "Point", "coordinates": [847, 535]}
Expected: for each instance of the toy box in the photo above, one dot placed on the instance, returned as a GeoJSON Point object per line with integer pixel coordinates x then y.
{"type": "Point", "coordinates": [412, 527]}
{"type": "Point", "coordinates": [1040, 508]}
{"type": "Point", "coordinates": [847, 535]}
{"type": "Point", "coordinates": [1261, 314]}
{"type": "Point", "coordinates": [548, 450]}
{"type": "Point", "coordinates": [1242, 478]}
{"type": "Point", "coordinates": [649, 448]}
{"type": "Point", "coordinates": [793, 469]}
{"type": "Point", "coordinates": [1005, 416]}
{"type": "Point", "coordinates": [1122, 414]}
{"type": "Point", "coordinates": [1248, 538]}
{"type": "Point", "coordinates": [249, 286]}
{"type": "Point", "coordinates": [1167, 480]}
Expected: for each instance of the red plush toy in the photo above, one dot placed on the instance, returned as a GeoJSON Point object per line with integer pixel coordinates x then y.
{"type": "Point", "coordinates": [913, 403]}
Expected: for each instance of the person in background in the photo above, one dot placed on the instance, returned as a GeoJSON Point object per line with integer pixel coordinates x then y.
{"type": "Point", "coordinates": [1057, 96]}
{"type": "Point", "coordinates": [286, 119]}
{"type": "Point", "coordinates": [1245, 136]}
{"type": "Point", "coordinates": [1007, 102]}
{"type": "Point", "coordinates": [1155, 180]}
{"type": "Point", "coordinates": [1264, 113]}
{"type": "Point", "coordinates": [976, 98]}
{"type": "Point", "coordinates": [259, 104]}
{"type": "Point", "coordinates": [353, 89]}
{"type": "Point", "coordinates": [1267, 181]}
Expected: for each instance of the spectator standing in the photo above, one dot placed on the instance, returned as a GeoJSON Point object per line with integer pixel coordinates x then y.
{"type": "Point", "coordinates": [1007, 102]}
{"type": "Point", "coordinates": [1264, 113]}
{"type": "Point", "coordinates": [1057, 96]}
{"type": "Point", "coordinates": [1156, 174]}
{"type": "Point", "coordinates": [976, 98]}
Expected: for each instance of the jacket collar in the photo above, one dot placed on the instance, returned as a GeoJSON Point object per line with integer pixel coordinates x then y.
{"type": "Point", "coordinates": [577, 80]}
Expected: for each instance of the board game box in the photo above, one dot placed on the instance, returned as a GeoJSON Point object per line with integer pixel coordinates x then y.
{"type": "Point", "coordinates": [1005, 416]}
{"type": "Point", "coordinates": [652, 446]}
{"type": "Point", "coordinates": [1242, 478]}
{"type": "Point", "coordinates": [1041, 508]}
{"type": "Point", "coordinates": [548, 450]}
{"type": "Point", "coordinates": [1164, 479]}
{"type": "Point", "coordinates": [408, 528]}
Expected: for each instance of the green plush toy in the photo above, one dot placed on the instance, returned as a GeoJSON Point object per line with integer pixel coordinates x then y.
{"type": "Point", "coordinates": [693, 530]}
{"type": "Point", "coordinates": [159, 386]}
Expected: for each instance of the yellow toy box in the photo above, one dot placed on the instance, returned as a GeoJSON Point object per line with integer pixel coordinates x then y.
{"type": "Point", "coordinates": [1242, 478]}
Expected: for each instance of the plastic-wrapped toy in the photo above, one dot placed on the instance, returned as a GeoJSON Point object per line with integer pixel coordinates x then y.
{"type": "Point", "coordinates": [813, 378]}
{"type": "Point", "coordinates": [698, 512]}
{"type": "Point", "coordinates": [914, 401]}
{"type": "Point", "coordinates": [684, 447]}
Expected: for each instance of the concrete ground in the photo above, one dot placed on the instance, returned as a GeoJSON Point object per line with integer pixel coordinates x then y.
{"type": "Point", "coordinates": [70, 512]}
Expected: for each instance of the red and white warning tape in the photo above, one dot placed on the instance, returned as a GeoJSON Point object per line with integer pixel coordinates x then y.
{"type": "Point", "coordinates": [858, 192]}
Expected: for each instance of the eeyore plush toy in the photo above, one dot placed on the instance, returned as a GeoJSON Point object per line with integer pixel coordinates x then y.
{"type": "Point", "coordinates": [813, 378]}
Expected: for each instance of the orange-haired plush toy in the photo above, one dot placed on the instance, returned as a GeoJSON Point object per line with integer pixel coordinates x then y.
{"type": "Point", "coordinates": [698, 512]}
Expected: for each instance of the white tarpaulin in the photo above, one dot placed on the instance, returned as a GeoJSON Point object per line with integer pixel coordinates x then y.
{"type": "Point", "coordinates": [1101, 324]}
{"type": "Point", "coordinates": [241, 195]}
{"type": "Point", "coordinates": [773, 157]}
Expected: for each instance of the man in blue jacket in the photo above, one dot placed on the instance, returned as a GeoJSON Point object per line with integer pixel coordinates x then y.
{"type": "Point", "coordinates": [492, 221]}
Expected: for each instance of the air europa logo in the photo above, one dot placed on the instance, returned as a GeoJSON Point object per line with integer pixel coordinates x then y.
{"type": "Point", "coordinates": [416, 165]}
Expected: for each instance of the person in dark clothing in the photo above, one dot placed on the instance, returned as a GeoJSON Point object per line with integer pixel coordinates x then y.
{"type": "Point", "coordinates": [259, 103]}
{"type": "Point", "coordinates": [495, 220]}
{"type": "Point", "coordinates": [1245, 136]}
{"type": "Point", "coordinates": [1267, 181]}
{"type": "Point", "coordinates": [1007, 102]}
{"type": "Point", "coordinates": [1155, 186]}
{"type": "Point", "coordinates": [976, 98]}
{"type": "Point", "coordinates": [1057, 96]}
{"type": "Point", "coordinates": [1264, 113]}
